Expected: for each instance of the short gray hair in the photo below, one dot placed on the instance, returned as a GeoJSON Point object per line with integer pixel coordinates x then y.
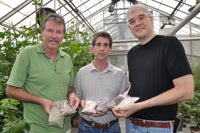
{"type": "Point", "coordinates": [138, 7]}
{"type": "Point", "coordinates": [56, 18]}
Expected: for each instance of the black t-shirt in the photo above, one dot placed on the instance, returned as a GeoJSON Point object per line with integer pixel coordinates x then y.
{"type": "Point", "coordinates": [152, 67]}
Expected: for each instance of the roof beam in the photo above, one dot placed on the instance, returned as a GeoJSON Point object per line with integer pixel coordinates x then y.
{"type": "Point", "coordinates": [191, 15]}
{"type": "Point", "coordinates": [80, 15]}
{"type": "Point", "coordinates": [167, 14]}
{"type": "Point", "coordinates": [17, 9]}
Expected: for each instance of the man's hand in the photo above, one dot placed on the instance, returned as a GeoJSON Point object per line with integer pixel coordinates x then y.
{"type": "Point", "coordinates": [97, 114]}
{"type": "Point", "coordinates": [125, 111]}
{"type": "Point", "coordinates": [93, 111]}
{"type": "Point", "coordinates": [47, 105]}
{"type": "Point", "coordinates": [74, 101]}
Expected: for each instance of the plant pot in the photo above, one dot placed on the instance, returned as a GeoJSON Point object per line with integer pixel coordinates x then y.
{"type": "Point", "coordinates": [195, 130]}
{"type": "Point", "coordinates": [185, 120]}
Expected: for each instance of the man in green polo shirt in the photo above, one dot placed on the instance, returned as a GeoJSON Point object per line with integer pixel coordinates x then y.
{"type": "Point", "coordinates": [41, 75]}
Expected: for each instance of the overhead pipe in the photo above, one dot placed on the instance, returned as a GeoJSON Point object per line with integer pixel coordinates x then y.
{"type": "Point", "coordinates": [14, 10]}
{"type": "Point", "coordinates": [171, 15]}
{"type": "Point", "coordinates": [73, 7]}
{"type": "Point", "coordinates": [193, 13]}
{"type": "Point", "coordinates": [88, 17]}
{"type": "Point", "coordinates": [136, 40]}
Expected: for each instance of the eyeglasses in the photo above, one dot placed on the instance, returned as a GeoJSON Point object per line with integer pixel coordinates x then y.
{"type": "Point", "coordinates": [140, 18]}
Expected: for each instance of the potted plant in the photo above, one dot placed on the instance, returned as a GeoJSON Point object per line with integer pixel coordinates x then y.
{"type": "Point", "coordinates": [195, 113]}
{"type": "Point", "coordinates": [189, 111]}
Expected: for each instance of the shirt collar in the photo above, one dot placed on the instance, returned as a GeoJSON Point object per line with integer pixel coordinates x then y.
{"type": "Point", "coordinates": [109, 68]}
{"type": "Point", "coordinates": [40, 50]}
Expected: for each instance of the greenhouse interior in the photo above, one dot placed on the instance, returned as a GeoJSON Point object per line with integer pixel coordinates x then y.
{"type": "Point", "coordinates": [20, 22]}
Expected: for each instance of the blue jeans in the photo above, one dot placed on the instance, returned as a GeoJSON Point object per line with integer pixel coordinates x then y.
{"type": "Point", "coordinates": [85, 128]}
{"type": "Point", "coordinates": [132, 128]}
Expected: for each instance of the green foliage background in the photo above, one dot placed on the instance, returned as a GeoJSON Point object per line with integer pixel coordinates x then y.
{"type": "Point", "coordinates": [76, 44]}
{"type": "Point", "coordinates": [191, 109]}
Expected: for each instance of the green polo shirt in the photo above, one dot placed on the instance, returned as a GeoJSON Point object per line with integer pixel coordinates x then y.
{"type": "Point", "coordinates": [38, 74]}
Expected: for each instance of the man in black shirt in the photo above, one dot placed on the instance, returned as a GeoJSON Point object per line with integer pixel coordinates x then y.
{"type": "Point", "coordinates": [159, 74]}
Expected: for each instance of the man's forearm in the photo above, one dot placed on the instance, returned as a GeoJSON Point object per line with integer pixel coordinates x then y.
{"type": "Point", "coordinates": [70, 90]}
{"type": "Point", "coordinates": [21, 95]}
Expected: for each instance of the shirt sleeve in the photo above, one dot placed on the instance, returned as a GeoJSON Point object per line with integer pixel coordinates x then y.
{"type": "Point", "coordinates": [18, 73]}
{"type": "Point", "coordinates": [123, 83]}
{"type": "Point", "coordinates": [176, 59]}
{"type": "Point", "coordinates": [77, 85]}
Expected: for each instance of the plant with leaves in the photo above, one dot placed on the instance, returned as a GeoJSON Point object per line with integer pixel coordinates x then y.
{"type": "Point", "coordinates": [75, 43]}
